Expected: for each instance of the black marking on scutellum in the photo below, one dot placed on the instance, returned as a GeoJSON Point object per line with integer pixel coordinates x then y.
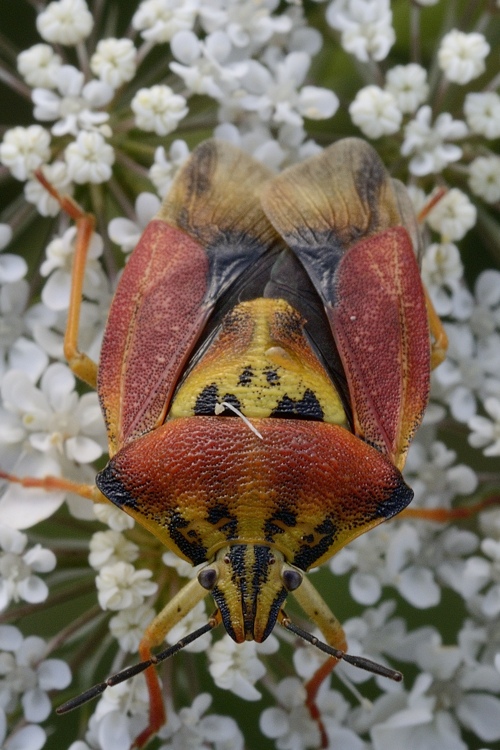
{"type": "Point", "coordinates": [308, 407]}
{"type": "Point", "coordinates": [246, 376]}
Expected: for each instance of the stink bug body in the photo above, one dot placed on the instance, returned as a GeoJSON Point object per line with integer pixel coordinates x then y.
{"type": "Point", "coordinates": [265, 365]}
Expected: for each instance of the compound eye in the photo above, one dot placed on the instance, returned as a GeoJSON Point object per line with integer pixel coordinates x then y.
{"type": "Point", "coordinates": [208, 578]}
{"type": "Point", "coordinates": [291, 579]}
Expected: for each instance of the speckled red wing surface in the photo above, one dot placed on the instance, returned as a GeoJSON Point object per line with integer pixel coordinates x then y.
{"type": "Point", "coordinates": [210, 229]}
{"type": "Point", "coordinates": [346, 220]}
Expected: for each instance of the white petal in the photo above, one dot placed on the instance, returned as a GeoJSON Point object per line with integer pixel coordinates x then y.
{"type": "Point", "coordinates": [40, 560]}
{"type": "Point", "coordinates": [365, 588]}
{"type": "Point", "coordinates": [124, 232]}
{"type": "Point", "coordinates": [481, 713]}
{"type": "Point", "coordinates": [54, 674]}
{"type": "Point", "coordinates": [27, 356]}
{"type": "Point", "coordinates": [57, 382]}
{"type": "Point", "coordinates": [34, 591]}
{"type": "Point", "coordinates": [10, 638]}
{"type": "Point", "coordinates": [36, 705]}
{"type": "Point", "coordinates": [146, 206]}
{"type": "Point", "coordinates": [417, 586]}
{"type": "Point", "coordinates": [114, 732]}
{"type": "Point", "coordinates": [12, 268]}
{"type": "Point", "coordinates": [55, 293]}
{"type": "Point", "coordinates": [274, 722]}
{"type": "Point", "coordinates": [31, 737]}
{"type": "Point", "coordinates": [83, 450]}
{"type": "Point", "coordinates": [5, 235]}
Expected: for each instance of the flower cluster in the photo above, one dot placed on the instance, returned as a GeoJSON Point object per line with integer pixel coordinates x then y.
{"type": "Point", "coordinates": [116, 102]}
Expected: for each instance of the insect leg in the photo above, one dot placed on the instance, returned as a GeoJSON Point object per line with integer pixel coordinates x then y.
{"type": "Point", "coordinates": [55, 484]}
{"type": "Point", "coordinates": [318, 611]}
{"type": "Point", "coordinates": [439, 339]}
{"type": "Point", "coordinates": [446, 515]}
{"type": "Point", "coordinates": [79, 362]}
{"type": "Point", "coordinates": [154, 635]}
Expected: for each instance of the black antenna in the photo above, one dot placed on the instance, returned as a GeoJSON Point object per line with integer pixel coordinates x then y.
{"type": "Point", "coordinates": [128, 672]}
{"type": "Point", "coordinates": [357, 661]}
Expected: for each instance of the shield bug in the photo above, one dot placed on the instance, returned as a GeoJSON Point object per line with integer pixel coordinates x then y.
{"type": "Point", "coordinates": [265, 365]}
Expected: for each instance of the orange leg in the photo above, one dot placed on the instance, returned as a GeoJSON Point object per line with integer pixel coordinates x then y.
{"type": "Point", "coordinates": [318, 611]}
{"type": "Point", "coordinates": [443, 515]}
{"type": "Point", "coordinates": [53, 484]}
{"type": "Point", "coordinates": [83, 367]}
{"type": "Point", "coordinates": [154, 635]}
{"type": "Point", "coordinates": [439, 342]}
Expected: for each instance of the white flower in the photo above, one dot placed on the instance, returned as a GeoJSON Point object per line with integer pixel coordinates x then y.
{"type": "Point", "coordinates": [5, 235]}
{"type": "Point", "coordinates": [65, 22]}
{"type": "Point", "coordinates": [190, 729]}
{"type": "Point", "coordinates": [375, 112]}
{"type": "Point", "coordinates": [17, 568]}
{"type": "Point", "coordinates": [290, 723]}
{"type": "Point", "coordinates": [109, 547]}
{"type": "Point", "coordinates": [366, 27]}
{"type": "Point", "coordinates": [435, 478]}
{"type": "Point", "coordinates": [41, 431]}
{"type": "Point", "coordinates": [16, 350]}
{"type": "Point", "coordinates": [486, 432]}
{"type": "Point", "coordinates": [113, 517]}
{"type": "Point", "coordinates": [28, 737]}
{"type": "Point", "coordinates": [235, 666]}
{"type": "Point", "coordinates": [278, 98]}
{"type": "Point", "coordinates": [59, 258]}
{"type": "Point", "coordinates": [204, 65]}
{"type": "Point", "coordinates": [114, 61]}
{"type": "Point", "coordinates": [426, 143]}
{"type": "Point", "coordinates": [38, 65]}
{"type": "Point", "coordinates": [165, 167]}
{"type": "Point", "coordinates": [484, 177]}
{"type": "Point", "coordinates": [127, 233]}
{"type": "Point", "coordinates": [247, 25]}
{"type": "Point", "coordinates": [485, 316]}
{"type": "Point", "coordinates": [27, 675]}
{"type": "Point", "coordinates": [74, 106]}
{"type": "Point", "coordinates": [34, 192]}
{"type": "Point", "coordinates": [442, 272]}
{"type": "Point", "coordinates": [461, 56]}
{"type": "Point", "coordinates": [469, 371]}
{"type": "Point", "coordinates": [24, 149]}
{"type": "Point", "coordinates": [452, 216]}
{"type": "Point", "coordinates": [159, 20]}
{"type": "Point", "coordinates": [482, 112]}
{"type": "Point", "coordinates": [128, 626]}
{"type": "Point", "coordinates": [441, 264]}
{"type": "Point", "coordinates": [121, 714]}
{"type": "Point", "coordinates": [121, 586]}
{"type": "Point", "coordinates": [89, 158]}
{"type": "Point", "coordinates": [408, 85]}
{"type": "Point", "coordinates": [158, 109]}
{"type": "Point", "coordinates": [184, 568]}
{"type": "Point", "coordinates": [12, 267]}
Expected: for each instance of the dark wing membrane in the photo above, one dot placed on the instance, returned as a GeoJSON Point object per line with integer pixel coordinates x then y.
{"type": "Point", "coordinates": [325, 208]}
{"type": "Point", "coordinates": [279, 275]}
{"type": "Point", "coordinates": [210, 229]}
